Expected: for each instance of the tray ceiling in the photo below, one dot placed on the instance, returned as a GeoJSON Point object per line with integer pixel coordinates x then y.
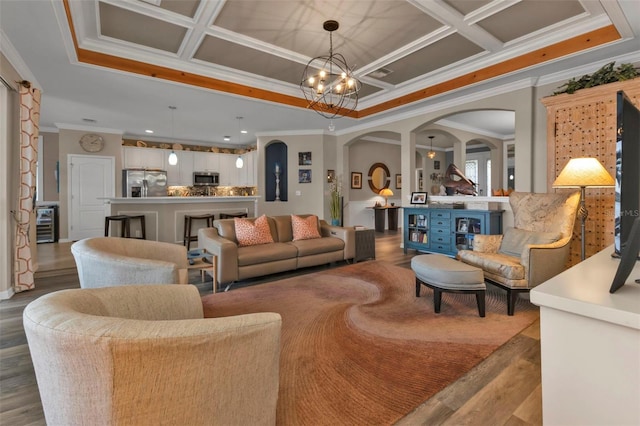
{"type": "Point", "coordinates": [259, 48]}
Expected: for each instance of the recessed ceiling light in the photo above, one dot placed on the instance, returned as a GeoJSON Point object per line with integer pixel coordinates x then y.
{"type": "Point", "coordinates": [244, 132]}
{"type": "Point", "coordinates": [148, 131]}
{"type": "Point", "coordinates": [227, 138]}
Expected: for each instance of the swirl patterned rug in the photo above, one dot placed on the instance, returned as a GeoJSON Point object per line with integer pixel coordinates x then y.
{"type": "Point", "coordinates": [358, 348]}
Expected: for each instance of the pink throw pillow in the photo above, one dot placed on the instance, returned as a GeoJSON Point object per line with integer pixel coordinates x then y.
{"type": "Point", "coordinates": [304, 228]}
{"type": "Point", "coordinates": [251, 233]}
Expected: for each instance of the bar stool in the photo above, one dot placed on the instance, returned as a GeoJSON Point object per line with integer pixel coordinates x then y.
{"type": "Point", "coordinates": [143, 229]}
{"type": "Point", "coordinates": [124, 224]}
{"type": "Point", "coordinates": [232, 215]}
{"type": "Point", "coordinates": [188, 220]}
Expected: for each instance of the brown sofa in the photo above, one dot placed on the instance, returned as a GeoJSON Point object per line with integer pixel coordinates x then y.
{"type": "Point", "coordinates": [239, 263]}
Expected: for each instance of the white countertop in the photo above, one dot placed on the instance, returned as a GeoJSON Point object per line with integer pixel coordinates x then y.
{"type": "Point", "coordinates": [176, 200]}
{"type": "Point", "coordinates": [584, 290]}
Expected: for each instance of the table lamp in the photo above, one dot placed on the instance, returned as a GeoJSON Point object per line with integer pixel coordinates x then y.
{"type": "Point", "coordinates": [580, 173]}
{"type": "Point", "coordinates": [386, 192]}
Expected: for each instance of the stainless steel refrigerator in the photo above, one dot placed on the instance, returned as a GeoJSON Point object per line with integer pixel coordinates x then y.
{"type": "Point", "coordinates": [144, 183]}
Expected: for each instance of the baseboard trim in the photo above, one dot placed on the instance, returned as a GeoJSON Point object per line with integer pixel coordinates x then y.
{"type": "Point", "coordinates": [7, 294]}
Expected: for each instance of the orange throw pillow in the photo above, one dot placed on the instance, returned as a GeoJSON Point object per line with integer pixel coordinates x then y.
{"type": "Point", "coordinates": [304, 228]}
{"type": "Point", "coordinates": [252, 233]}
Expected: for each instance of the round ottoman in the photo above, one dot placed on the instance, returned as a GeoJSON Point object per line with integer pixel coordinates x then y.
{"type": "Point", "coordinates": [442, 273]}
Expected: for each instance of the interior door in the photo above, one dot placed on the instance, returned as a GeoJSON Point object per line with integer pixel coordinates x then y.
{"type": "Point", "coordinates": [91, 179]}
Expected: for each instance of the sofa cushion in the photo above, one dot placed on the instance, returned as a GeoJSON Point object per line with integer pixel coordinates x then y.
{"type": "Point", "coordinates": [515, 240]}
{"type": "Point", "coordinates": [253, 232]}
{"type": "Point", "coordinates": [252, 255]}
{"type": "Point", "coordinates": [304, 228]}
{"type": "Point", "coordinates": [318, 246]}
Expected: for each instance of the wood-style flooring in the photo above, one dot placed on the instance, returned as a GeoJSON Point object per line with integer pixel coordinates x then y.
{"type": "Point", "coordinates": [505, 389]}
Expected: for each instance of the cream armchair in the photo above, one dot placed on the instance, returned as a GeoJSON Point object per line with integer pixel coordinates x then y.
{"type": "Point", "coordinates": [536, 249]}
{"type": "Point", "coordinates": [144, 355]}
{"type": "Point", "coordinates": [110, 261]}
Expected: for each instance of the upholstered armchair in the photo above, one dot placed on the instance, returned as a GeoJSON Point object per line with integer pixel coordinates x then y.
{"type": "Point", "coordinates": [534, 250]}
{"type": "Point", "coordinates": [111, 261]}
{"type": "Point", "coordinates": [144, 355]}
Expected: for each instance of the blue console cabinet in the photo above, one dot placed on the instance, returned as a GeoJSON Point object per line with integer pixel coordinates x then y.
{"type": "Point", "coordinates": [446, 231]}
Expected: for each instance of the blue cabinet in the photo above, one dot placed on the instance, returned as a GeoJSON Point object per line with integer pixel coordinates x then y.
{"type": "Point", "coordinates": [446, 231]}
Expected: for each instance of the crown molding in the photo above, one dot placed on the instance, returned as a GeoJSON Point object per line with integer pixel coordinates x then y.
{"type": "Point", "coordinates": [79, 127]}
{"type": "Point", "coordinates": [14, 58]}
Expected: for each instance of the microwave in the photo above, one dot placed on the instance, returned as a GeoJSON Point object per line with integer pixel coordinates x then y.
{"type": "Point", "coordinates": [206, 179]}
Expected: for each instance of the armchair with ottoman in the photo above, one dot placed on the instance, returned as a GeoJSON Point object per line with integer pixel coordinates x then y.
{"type": "Point", "coordinates": [253, 247]}
{"type": "Point", "coordinates": [534, 250]}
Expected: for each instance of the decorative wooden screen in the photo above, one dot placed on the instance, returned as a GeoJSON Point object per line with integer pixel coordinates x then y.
{"type": "Point", "coordinates": [583, 124]}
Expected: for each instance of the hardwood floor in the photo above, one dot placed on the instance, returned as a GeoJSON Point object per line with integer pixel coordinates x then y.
{"type": "Point", "coordinates": [505, 389]}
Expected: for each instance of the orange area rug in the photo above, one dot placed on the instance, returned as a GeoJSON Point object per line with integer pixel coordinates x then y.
{"type": "Point", "coordinates": [359, 348]}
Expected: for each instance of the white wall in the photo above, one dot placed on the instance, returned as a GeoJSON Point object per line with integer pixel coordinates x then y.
{"type": "Point", "coordinates": [302, 197]}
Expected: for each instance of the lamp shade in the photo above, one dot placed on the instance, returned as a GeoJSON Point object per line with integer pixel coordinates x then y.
{"type": "Point", "coordinates": [386, 192]}
{"type": "Point", "coordinates": [581, 172]}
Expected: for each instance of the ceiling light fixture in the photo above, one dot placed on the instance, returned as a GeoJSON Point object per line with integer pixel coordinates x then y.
{"type": "Point", "coordinates": [328, 83]}
{"type": "Point", "coordinates": [239, 160]}
{"type": "Point", "coordinates": [431, 154]}
{"type": "Point", "coordinates": [173, 158]}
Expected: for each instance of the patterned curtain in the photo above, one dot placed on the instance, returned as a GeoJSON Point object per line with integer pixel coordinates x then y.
{"type": "Point", "coordinates": [29, 119]}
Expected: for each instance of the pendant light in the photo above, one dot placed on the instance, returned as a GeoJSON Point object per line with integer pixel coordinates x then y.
{"type": "Point", "coordinates": [173, 158]}
{"type": "Point", "coordinates": [239, 160]}
{"type": "Point", "coordinates": [431, 154]}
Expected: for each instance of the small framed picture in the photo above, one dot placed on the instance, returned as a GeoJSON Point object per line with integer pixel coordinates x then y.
{"type": "Point", "coordinates": [436, 165]}
{"type": "Point", "coordinates": [463, 225]}
{"type": "Point", "coordinates": [331, 175]}
{"type": "Point", "coordinates": [304, 176]}
{"type": "Point", "coordinates": [356, 180]}
{"type": "Point", "coordinates": [398, 181]}
{"type": "Point", "coordinates": [418, 198]}
{"type": "Point", "coordinates": [304, 159]}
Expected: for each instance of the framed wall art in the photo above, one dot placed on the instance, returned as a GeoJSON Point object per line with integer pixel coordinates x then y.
{"type": "Point", "coordinates": [356, 180]}
{"type": "Point", "coordinates": [304, 176]}
{"type": "Point", "coordinates": [398, 181]}
{"type": "Point", "coordinates": [304, 159]}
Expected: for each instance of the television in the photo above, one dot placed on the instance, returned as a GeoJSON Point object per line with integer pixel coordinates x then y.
{"type": "Point", "coordinates": [627, 189]}
{"type": "Point", "coordinates": [629, 258]}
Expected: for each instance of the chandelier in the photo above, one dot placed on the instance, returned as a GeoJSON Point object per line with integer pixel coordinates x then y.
{"type": "Point", "coordinates": [431, 154]}
{"type": "Point", "coordinates": [328, 83]}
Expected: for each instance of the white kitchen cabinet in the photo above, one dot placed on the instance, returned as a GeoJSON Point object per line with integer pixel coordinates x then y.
{"type": "Point", "coordinates": [182, 173]}
{"type": "Point", "coordinates": [248, 172]}
{"type": "Point", "coordinates": [229, 173]}
{"type": "Point", "coordinates": [206, 162]}
{"type": "Point", "coordinates": [143, 158]}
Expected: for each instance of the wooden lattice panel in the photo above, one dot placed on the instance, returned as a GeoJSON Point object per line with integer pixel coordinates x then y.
{"type": "Point", "coordinates": [583, 124]}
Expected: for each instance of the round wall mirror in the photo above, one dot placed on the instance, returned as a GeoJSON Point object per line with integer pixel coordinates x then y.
{"type": "Point", "coordinates": [379, 177]}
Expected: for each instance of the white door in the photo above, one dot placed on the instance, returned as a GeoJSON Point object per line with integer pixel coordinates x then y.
{"type": "Point", "coordinates": [91, 178]}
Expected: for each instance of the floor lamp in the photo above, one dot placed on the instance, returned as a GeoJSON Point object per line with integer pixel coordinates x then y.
{"type": "Point", "coordinates": [580, 173]}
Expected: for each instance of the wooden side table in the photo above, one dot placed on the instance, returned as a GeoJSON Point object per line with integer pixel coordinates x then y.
{"type": "Point", "coordinates": [365, 244]}
{"type": "Point", "coordinates": [199, 263]}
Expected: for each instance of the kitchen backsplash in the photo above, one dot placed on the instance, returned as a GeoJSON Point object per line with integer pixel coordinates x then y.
{"type": "Point", "coordinates": [211, 191]}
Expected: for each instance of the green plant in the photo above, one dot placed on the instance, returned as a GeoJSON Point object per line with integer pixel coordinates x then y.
{"type": "Point", "coordinates": [335, 189]}
{"type": "Point", "coordinates": [606, 74]}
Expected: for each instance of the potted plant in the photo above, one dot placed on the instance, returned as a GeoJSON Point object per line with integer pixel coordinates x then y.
{"type": "Point", "coordinates": [335, 190]}
{"type": "Point", "coordinates": [607, 74]}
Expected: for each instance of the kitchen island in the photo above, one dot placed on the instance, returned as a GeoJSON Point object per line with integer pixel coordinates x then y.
{"type": "Point", "coordinates": [164, 216]}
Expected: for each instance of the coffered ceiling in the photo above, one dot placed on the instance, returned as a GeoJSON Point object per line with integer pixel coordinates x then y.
{"type": "Point", "coordinates": [405, 53]}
